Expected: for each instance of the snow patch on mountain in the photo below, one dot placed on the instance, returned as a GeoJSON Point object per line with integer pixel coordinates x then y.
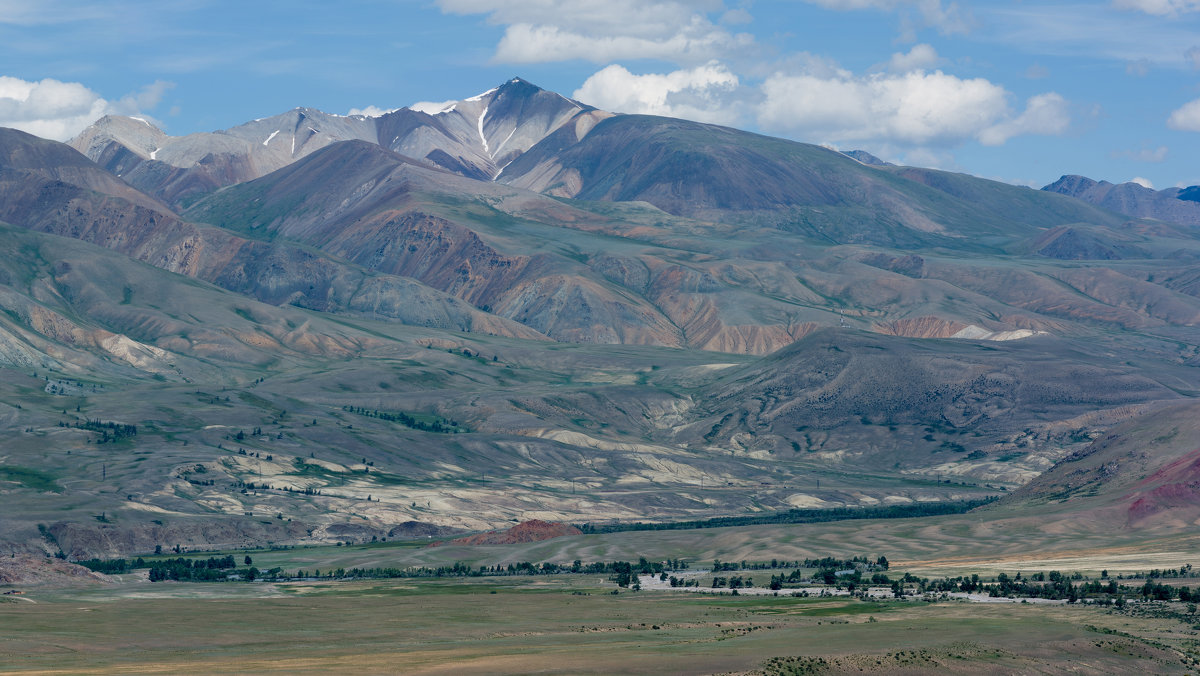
{"type": "Point", "coordinates": [479, 97]}
{"type": "Point", "coordinates": [481, 135]}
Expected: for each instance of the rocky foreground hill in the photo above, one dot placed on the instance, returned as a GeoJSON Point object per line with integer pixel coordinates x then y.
{"type": "Point", "coordinates": [321, 328]}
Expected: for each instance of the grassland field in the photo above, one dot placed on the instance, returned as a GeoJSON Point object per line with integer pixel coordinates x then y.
{"type": "Point", "coordinates": [572, 624]}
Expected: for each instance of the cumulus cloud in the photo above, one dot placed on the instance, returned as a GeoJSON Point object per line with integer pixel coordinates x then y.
{"type": "Point", "coordinates": [146, 98]}
{"type": "Point", "coordinates": [59, 110]}
{"type": "Point", "coordinates": [703, 93]}
{"type": "Point", "coordinates": [915, 108]}
{"type": "Point", "coordinates": [1144, 182]}
{"type": "Point", "coordinates": [736, 16]}
{"type": "Point", "coordinates": [920, 57]}
{"type": "Point", "coordinates": [1044, 114]}
{"type": "Point", "coordinates": [542, 31]}
{"type": "Point", "coordinates": [1186, 118]}
{"type": "Point", "coordinates": [1159, 7]}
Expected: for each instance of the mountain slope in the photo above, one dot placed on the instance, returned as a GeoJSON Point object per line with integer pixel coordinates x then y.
{"type": "Point", "coordinates": [1131, 199]}
{"type": "Point", "coordinates": [380, 210]}
{"type": "Point", "coordinates": [77, 308]}
{"type": "Point", "coordinates": [377, 352]}
{"type": "Point", "coordinates": [706, 171]}
{"type": "Point", "coordinates": [475, 137]}
{"type": "Point", "coordinates": [957, 407]}
{"type": "Point", "coordinates": [1143, 473]}
{"type": "Point", "coordinates": [103, 210]}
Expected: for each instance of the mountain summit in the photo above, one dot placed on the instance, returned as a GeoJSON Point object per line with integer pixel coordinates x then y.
{"type": "Point", "coordinates": [475, 137]}
{"type": "Point", "coordinates": [1134, 199]}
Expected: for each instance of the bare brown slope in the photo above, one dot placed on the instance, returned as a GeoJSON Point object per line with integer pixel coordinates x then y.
{"type": "Point", "coordinates": [276, 273]}
{"type": "Point", "coordinates": [1143, 473]}
{"type": "Point", "coordinates": [70, 305]}
{"type": "Point", "coordinates": [882, 398]}
{"type": "Point", "coordinates": [26, 569]}
{"type": "Point", "coordinates": [527, 531]}
{"type": "Point", "coordinates": [21, 152]}
{"type": "Point", "coordinates": [388, 213]}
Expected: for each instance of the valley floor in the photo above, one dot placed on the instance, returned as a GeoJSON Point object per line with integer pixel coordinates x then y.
{"type": "Point", "coordinates": [561, 625]}
{"type": "Point", "coordinates": [574, 624]}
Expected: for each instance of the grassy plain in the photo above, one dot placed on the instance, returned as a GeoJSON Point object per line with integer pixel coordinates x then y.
{"type": "Point", "coordinates": [977, 542]}
{"type": "Point", "coordinates": [555, 625]}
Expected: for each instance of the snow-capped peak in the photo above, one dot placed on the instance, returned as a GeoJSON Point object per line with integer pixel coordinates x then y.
{"type": "Point", "coordinates": [479, 97]}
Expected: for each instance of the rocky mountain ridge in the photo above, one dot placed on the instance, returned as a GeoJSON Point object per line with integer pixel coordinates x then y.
{"type": "Point", "coordinates": [476, 137]}
{"type": "Point", "coordinates": [1133, 199]}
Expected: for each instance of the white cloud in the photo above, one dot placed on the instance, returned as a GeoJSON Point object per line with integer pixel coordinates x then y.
{"type": "Point", "coordinates": [920, 57]}
{"type": "Point", "coordinates": [525, 43]}
{"type": "Point", "coordinates": [1186, 118]}
{"type": "Point", "coordinates": [1144, 182]}
{"type": "Point", "coordinates": [914, 108]}
{"type": "Point", "coordinates": [1159, 7]}
{"type": "Point", "coordinates": [59, 110]}
{"type": "Point", "coordinates": [376, 111]}
{"type": "Point", "coordinates": [947, 18]}
{"type": "Point", "coordinates": [1045, 115]}
{"type": "Point", "coordinates": [49, 108]}
{"type": "Point", "coordinates": [736, 16]}
{"type": "Point", "coordinates": [147, 98]}
{"type": "Point", "coordinates": [703, 93]}
{"type": "Point", "coordinates": [931, 159]}
{"type": "Point", "coordinates": [543, 31]}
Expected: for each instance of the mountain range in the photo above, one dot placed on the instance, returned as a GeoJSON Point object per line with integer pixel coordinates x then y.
{"type": "Point", "coordinates": [519, 306]}
{"type": "Point", "coordinates": [1172, 205]}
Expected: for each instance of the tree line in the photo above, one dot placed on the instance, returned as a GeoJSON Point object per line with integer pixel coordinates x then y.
{"type": "Point", "coordinates": [792, 516]}
{"type": "Point", "coordinates": [109, 431]}
{"type": "Point", "coordinates": [438, 426]}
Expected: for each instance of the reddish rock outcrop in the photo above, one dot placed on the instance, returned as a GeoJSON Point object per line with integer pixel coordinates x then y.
{"type": "Point", "coordinates": [24, 569]}
{"type": "Point", "coordinates": [528, 531]}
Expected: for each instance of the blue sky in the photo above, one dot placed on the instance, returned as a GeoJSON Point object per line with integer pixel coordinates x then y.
{"type": "Point", "coordinates": [1018, 91]}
